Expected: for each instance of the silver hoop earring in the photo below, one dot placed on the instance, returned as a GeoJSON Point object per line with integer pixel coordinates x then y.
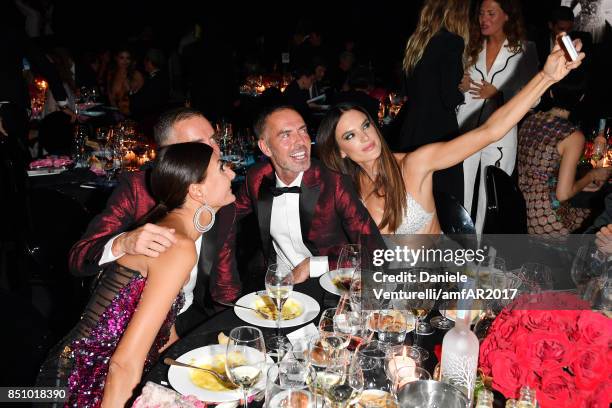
{"type": "Point", "coordinates": [196, 218]}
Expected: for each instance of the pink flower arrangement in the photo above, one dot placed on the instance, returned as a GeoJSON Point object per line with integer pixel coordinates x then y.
{"type": "Point", "coordinates": [565, 355]}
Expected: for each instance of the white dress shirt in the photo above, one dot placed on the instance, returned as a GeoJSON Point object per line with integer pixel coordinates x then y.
{"type": "Point", "coordinates": [286, 231]}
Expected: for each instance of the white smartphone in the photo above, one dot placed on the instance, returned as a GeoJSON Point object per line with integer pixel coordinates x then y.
{"type": "Point", "coordinates": [568, 45]}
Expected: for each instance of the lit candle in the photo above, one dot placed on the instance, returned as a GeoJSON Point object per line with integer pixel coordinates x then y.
{"type": "Point", "coordinates": [402, 370]}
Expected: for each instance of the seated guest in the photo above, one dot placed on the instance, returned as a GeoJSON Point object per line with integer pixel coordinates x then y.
{"type": "Point", "coordinates": [111, 234]}
{"type": "Point", "coordinates": [296, 93]}
{"type": "Point", "coordinates": [150, 100]}
{"type": "Point", "coordinates": [549, 149]}
{"type": "Point", "coordinates": [339, 74]}
{"type": "Point", "coordinates": [128, 319]}
{"type": "Point", "coordinates": [320, 68]}
{"type": "Point", "coordinates": [305, 211]}
{"type": "Point", "coordinates": [122, 79]}
{"type": "Point", "coordinates": [397, 189]}
{"type": "Point", "coordinates": [359, 85]}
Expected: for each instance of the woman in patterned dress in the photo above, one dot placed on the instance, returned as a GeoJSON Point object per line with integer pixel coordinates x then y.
{"type": "Point", "coordinates": [549, 149]}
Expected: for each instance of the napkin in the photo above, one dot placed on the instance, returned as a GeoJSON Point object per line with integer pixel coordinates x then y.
{"type": "Point", "coordinates": [305, 333]}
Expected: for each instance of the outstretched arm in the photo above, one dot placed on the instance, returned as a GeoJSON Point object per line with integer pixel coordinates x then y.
{"type": "Point", "coordinates": [439, 156]}
{"type": "Point", "coordinates": [166, 276]}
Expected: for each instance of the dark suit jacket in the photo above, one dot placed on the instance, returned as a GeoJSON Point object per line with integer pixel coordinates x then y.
{"type": "Point", "coordinates": [433, 94]}
{"type": "Point", "coordinates": [152, 98]}
{"type": "Point", "coordinates": [331, 214]}
{"type": "Point", "coordinates": [217, 276]}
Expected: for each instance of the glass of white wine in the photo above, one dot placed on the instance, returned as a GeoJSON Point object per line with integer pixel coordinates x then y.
{"type": "Point", "coordinates": [245, 358]}
{"type": "Point", "coordinates": [279, 285]}
{"type": "Point", "coordinates": [345, 383]}
{"type": "Point", "coordinates": [332, 339]}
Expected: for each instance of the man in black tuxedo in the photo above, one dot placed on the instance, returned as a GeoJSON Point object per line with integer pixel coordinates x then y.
{"type": "Point", "coordinates": [305, 211]}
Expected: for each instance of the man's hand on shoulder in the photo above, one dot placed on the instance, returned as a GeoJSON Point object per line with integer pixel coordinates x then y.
{"type": "Point", "coordinates": [301, 273]}
{"type": "Point", "coordinates": [149, 240]}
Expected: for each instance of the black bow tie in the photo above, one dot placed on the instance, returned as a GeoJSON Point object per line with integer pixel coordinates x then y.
{"type": "Point", "coordinates": [277, 191]}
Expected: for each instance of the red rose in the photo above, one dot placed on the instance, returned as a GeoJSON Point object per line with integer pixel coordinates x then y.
{"type": "Point", "coordinates": [507, 330]}
{"type": "Point", "coordinates": [508, 374]}
{"type": "Point", "coordinates": [543, 320]}
{"type": "Point", "coordinates": [588, 369]}
{"type": "Point", "coordinates": [594, 328]}
{"type": "Point", "coordinates": [601, 398]}
{"type": "Point", "coordinates": [545, 351]}
{"type": "Point", "coordinates": [557, 390]}
{"type": "Point", "coordinates": [486, 348]}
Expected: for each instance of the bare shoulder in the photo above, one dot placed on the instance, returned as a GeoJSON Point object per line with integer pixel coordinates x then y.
{"type": "Point", "coordinates": [574, 141]}
{"type": "Point", "coordinates": [182, 255]}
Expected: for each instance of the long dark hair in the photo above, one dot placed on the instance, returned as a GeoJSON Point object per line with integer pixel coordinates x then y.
{"type": "Point", "coordinates": [388, 183]}
{"type": "Point", "coordinates": [514, 29]}
{"type": "Point", "coordinates": [176, 168]}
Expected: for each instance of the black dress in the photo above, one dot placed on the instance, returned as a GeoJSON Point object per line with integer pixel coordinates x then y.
{"type": "Point", "coordinates": [432, 98]}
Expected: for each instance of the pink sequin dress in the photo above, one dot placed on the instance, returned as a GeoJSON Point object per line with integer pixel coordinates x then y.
{"type": "Point", "coordinates": [80, 361]}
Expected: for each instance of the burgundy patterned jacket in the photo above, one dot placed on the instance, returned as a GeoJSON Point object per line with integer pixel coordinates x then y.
{"type": "Point", "coordinates": [217, 279]}
{"type": "Point", "coordinates": [331, 213]}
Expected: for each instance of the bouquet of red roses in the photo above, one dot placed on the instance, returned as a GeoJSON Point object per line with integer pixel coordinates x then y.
{"type": "Point", "coordinates": [565, 355]}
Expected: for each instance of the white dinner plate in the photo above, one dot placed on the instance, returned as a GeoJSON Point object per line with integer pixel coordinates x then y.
{"type": "Point", "coordinates": [180, 380]}
{"type": "Point", "coordinates": [326, 283]}
{"type": "Point", "coordinates": [310, 311]}
{"type": "Point", "coordinates": [91, 113]}
{"type": "Point", "coordinates": [46, 171]}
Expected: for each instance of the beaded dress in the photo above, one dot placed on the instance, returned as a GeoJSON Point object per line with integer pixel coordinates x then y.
{"type": "Point", "coordinates": [80, 361]}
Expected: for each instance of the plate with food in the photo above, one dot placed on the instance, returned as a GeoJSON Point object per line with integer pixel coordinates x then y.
{"type": "Point", "coordinates": [337, 281]}
{"type": "Point", "coordinates": [260, 310]}
{"type": "Point", "coordinates": [205, 386]}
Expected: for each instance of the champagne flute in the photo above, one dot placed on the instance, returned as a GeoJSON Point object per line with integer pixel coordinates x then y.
{"type": "Point", "coordinates": [245, 358]}
{"type": "Point", "coordinates": [279, 285]}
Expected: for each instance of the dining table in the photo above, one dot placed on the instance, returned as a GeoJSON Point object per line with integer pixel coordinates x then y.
{"type": "Point", "coordinates": [225, 320]}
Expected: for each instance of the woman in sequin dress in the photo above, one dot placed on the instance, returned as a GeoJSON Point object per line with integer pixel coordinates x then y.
{"type": "Point", "coordinates": [397, 188]}
{"type": "Point", "coordinates": [130, 315]}
{"type": "Point", "coordinates": [549, 148]}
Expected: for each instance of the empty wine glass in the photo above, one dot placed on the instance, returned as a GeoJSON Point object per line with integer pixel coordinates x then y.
{"type": "Point", "coordinates": [279, 285]}
{"type": "Point", "coordinates": [442, 322]}
{"type": "Point", "coordinates": [290, 384]}
{"type": "Point", "coordinates": [245, 358]}
{"type": "Point", "coordinates": [536, 277]}
{"type": "Point", "coordinates": [588, 264]}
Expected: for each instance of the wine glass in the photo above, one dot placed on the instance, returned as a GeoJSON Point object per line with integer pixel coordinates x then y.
{"type": "Point", "coordinates": [349, 321]}
{"type": "Point", "coordinates": [393, 326]}
{"type": "Point", "coordinates": [371, 357]}
{"type": "Point", "coordinates": [442, 322]}
{"type": "Point", "coordinates": [588, 264]}
{"type": "Point", "coordinates": [348, 262]}
{"type": "Point", "coordinates": [536, 277]}
{"type": "Point", "coordinates": [344, 381]}
{"type": "Point", "coordinates": [245, 358]}
{"type": "Point", "coordinates": [279, 285]}
{"type": "Point", "coordinates": [332, 339]}
{"type": "Point", "coordinates": [290, 384]}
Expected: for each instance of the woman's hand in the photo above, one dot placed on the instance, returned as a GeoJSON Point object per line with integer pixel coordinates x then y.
{"type": "Point", "coordinates": [599, 177]}
{"type": "Point", "coordinates": [558, 65]}
{"type": "Point", "coordinates": [465, 83]}
{"type": "Point", "coordinates": [484, 90]}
